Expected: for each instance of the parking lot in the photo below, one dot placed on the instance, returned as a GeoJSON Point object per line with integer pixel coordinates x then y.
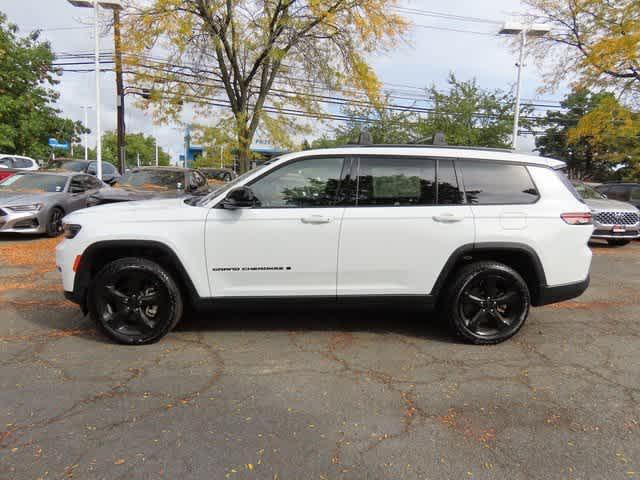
{"type": "Point", "coordinates": [318, 395]}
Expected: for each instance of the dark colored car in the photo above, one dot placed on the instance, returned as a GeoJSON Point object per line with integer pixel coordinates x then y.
{"type": "Point", "coordinates": [625, 192]}
{"type": "Point", "coordinates": [218, 174]}
{"type": "Point", "coordinates": [110, 173]}
{"type": "Point", "coordinates": [145, 183]}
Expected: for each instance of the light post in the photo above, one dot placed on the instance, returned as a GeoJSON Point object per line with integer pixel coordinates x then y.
{"type": "Point", "coordinates": [96, 4]}
{"type": "Point", "coordinates": [524, 31]}
{"type": "Point", "coordinates": [86, 109]}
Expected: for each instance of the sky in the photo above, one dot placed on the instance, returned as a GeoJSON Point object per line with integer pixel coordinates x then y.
{"type": "Point", "coordinates": [432, 51]}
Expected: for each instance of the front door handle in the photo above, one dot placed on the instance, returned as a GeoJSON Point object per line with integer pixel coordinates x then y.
{"type": "Point", "coordinates": [316, 219]}
{"type": "Point", "coordinates": [448, 218]}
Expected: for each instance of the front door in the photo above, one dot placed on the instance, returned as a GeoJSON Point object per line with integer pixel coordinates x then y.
{"type": "Point", "coordinates": [285, 246]}
{"type": "Point", "coordinates": [404, 228]}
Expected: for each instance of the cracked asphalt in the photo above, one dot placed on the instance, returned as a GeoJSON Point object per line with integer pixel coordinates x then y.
{"type": "Point", "coordinates": [318, 394]}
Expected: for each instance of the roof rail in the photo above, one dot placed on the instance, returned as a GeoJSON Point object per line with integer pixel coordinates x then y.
{"type": "Point", "coordinates": [413, 145]}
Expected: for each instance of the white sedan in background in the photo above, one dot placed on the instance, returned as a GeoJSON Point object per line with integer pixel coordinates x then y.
{"type": "Point", "coordinates": [18, 162]}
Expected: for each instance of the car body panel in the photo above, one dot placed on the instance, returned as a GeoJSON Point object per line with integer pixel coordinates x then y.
{"type": "Point", "coordinates": [213, 243]}
{"type": "Point", "coordinates": [35, 222]}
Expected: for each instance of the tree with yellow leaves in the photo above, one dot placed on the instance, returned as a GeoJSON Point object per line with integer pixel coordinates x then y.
{"type": "Point", "coordinates": [265, 62]}
{"type": "Point", "coordinates": [593, 43]}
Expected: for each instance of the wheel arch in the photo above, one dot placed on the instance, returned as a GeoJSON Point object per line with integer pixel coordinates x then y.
{"type": "Point", "coordinates": [99, 254]}
{"type": "Point", "coordinates": [519, 256]}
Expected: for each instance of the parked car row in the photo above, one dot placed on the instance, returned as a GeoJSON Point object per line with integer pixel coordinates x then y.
{"type": "Point", "coordinates": [36, 201]}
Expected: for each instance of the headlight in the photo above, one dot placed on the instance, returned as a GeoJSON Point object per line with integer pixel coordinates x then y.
{"type": "Point", "coordinates": [34, 207]}
{"type": "Point", "coordinates": [70, 230]}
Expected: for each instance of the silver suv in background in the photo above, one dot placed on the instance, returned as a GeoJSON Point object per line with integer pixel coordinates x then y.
{"type": "Point", "coordinates": [614, 221]}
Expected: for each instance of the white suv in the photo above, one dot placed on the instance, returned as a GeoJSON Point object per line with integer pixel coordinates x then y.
{"type": "Point", "coordinates": [478, 234]}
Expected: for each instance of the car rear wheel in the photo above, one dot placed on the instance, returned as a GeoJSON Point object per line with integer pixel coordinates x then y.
{"type": "Point", "coordinates": [488, 302]}
{"type": "Point", "coordinates": [135, 301]}
{"type": "Point", "coordinates": [614, 242]}
{"type": "Point", "coordinates": [54, 225]}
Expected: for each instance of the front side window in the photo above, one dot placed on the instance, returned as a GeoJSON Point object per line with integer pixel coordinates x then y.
{"type": "Point", "coordinates": [303, 184]}
{"type": "Point", "coordinates": [395, 182]}
{"type": "Point", "coordinates": [22, 163]}
{"type": "Point", "coordinates": [488, 183]}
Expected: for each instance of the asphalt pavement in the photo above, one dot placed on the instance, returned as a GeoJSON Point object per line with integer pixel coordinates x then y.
{"type": "Point", "coordinates": [310, 394]}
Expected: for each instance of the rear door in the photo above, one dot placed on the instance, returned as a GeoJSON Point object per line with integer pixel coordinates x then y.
{"type": "Point", "coordinates": [404, 228]}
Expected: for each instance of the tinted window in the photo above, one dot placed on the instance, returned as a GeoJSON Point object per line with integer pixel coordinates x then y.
{"type": "Point", "coordinates": [618, 192]}
{"type": "Point", "coordinates": [108, 168]}
{"type": "Point", "coordinates": [307, 183]}
{"type": "Point", "coordinates": [92, 182]}
{"type": "Point", "coordinates": [449, 191]}
{"type": "Point", "coordinates": [489, 183]}
{"type": "Point", "coordinates": [635, 193]}
{"type": "Point", "coordinates": [77, 185]}
{"type": "Point", "coordinates": [6, 162]}
{"type": "Point", "coordinates": [153, 180]}
{"type": "Point", "coordinates": [34, 182]}
{"type": "Point", "coordinates": [22, 163]}
{"type": "Point", "coordinates": [384, 181]}
{"type": "Point", "coordinates": [72, 166]}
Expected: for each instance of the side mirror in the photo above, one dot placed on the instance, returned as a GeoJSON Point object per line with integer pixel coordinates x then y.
{"type": "Point", "coordinates": [179, 186]}
{"type": "Point", "coordinates": [241, 197]}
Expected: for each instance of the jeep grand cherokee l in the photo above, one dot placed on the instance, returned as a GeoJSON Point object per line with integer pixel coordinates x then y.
{"type": "Point", "coordinates": [479, 235]}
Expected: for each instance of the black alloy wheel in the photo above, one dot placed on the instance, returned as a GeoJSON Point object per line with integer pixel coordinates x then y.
{"type": "Point", "coordinates": [54, 225]}
{"type": "Point", "coordinates": [489, 302]}
{"type": "Point", "coordinates": [135, 301]}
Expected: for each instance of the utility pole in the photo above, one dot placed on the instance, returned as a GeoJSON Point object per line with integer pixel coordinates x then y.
{"type": "Point", "coordinates": [121, 128]}
{"type": "Point", "coordinates": [221, 155]}
{"type": "Point", "coordinates": [156, 151]}
{"type": "Point", "coordinates": [86, 109]}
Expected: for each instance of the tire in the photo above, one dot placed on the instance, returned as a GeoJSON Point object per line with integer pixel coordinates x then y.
{"type": "Point", "coordinates": [135, 301]}
{"type": "Point", "coordinates": [472, 303]}
{"type": "Point", "coordinates": [54, 223]}
{"type": "Point", "coordinates": [614, 242]}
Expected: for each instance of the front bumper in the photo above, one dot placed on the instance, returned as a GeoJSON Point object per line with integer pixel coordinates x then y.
{"type": "Point", "coordinates": [608, 233]}
{"type": "Point", "coordinates": [21, 222]}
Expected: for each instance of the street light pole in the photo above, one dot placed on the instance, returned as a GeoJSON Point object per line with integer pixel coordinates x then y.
{"type": "Point", "coordinates": [524, 32]}
{"type": "Point", "coordinates": [516, 113]}
{"type": "Point", "coordinates": [96, 33]}
{"type": "Point", "coordinates": [96, 4]}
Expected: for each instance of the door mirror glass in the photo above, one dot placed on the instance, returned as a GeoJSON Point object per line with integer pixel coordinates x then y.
{"type": "Point", "coordinates": [179, 186]}
{"type": "Point", "coordinates": [241, 197]}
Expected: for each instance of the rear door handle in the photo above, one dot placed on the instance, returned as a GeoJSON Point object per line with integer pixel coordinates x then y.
{"type": "Point", "coordinates": [316, 219]}
{"type": "Point", "coordinates": [448, 218]}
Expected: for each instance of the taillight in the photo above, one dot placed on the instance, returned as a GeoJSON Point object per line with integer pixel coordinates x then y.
{"type": "Point", "coordinates": [577, 218]}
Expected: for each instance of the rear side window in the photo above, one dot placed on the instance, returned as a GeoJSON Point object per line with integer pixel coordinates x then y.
{"type": "Point", "coordinates": [487, 183]}
{"type": "Point", "coordinates": [22, 163]}
{"type": "Point", "coordinates": [396, 182]}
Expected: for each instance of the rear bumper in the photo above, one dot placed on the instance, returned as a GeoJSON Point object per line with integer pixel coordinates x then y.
{"type": "Point", "coordinates": [560, 293]}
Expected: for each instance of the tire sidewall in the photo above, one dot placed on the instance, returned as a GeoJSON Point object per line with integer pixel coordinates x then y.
{"type": "Point", "coordinates": [48, 231]}
{"type": "Point", "coordinates": [468, 275]}
{"type": "Point", "coordinates": [147, 266]}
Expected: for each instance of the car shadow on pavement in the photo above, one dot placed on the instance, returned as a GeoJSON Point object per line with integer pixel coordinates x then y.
{"type": "Point", "coordinates": [414, 323]}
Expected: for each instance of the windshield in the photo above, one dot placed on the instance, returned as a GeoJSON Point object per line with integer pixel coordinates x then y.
{"type": "Point", "coordinates": [231, 184]}
{"type": "Point", "coordinates": [588, 192]}
{"type": "Point", "coordinates": [33, 183]}
{"type": "Point", "coordinates": [154, 180]}
{"type": "Point", "coordinates": [70, 166]}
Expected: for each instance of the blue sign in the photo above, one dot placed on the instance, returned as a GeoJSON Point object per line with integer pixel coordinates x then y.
{"type": "Point", "coordinates": [53, 143]}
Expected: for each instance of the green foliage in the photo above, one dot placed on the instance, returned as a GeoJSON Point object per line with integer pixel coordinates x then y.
{"type": "Point", "coordinates": [466, 114]}
{"type": "Point", "coordinates": [597, 137]}
{"type": "Point", "coordinates": [136, 144]}
{"type": "Point", "coordinates": [27, 117]}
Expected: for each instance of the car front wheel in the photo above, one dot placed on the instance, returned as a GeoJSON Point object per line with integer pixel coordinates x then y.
{"type": "Point", "coordinates": [488, 302]}
{"type": "Point", "coordinates": [135, 301]}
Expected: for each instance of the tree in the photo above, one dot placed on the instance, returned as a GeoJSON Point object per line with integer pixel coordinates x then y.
{"type": "Point", "coordinates": [27, 117]}
{"type": "Point", "coordinates": [263, 60]}
{"type": "Point", "coordinates": [594, 41]}
{"type": "Point", "coordinates": [470, 115]}
{"type": "Point", "coordinates": [137, 144]}
{"type": "Point", "coordinates": [593, 133]}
